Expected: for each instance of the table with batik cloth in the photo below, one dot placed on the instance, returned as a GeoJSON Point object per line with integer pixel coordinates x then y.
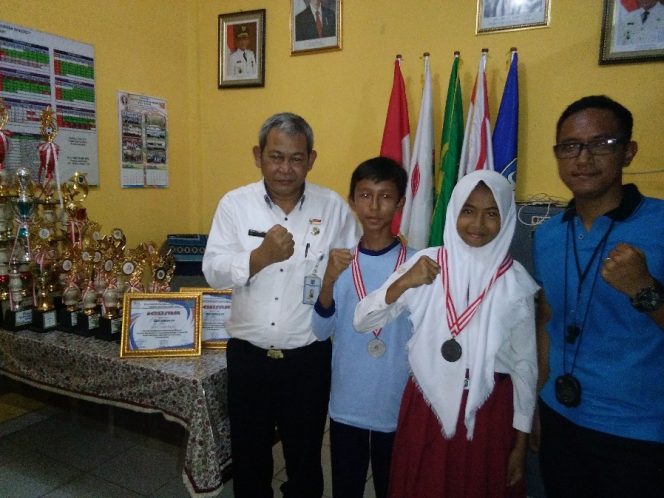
{"type": "Point", "coordinates": [190, 391]}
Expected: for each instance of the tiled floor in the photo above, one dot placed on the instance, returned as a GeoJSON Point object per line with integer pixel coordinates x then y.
{"type": "Point", "coordinates": [73, 448]}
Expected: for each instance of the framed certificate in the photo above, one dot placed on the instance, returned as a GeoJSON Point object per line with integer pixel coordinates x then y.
{"type": "Point", "coordinates": [216, 306]}
{"type": "Point", "coordinates": [161, 324]}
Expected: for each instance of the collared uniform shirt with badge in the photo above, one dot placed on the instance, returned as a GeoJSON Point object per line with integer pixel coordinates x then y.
{"type": "Point", "coordinates": [268, 309]}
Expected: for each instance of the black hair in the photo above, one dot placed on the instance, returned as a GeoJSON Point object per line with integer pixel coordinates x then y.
{"type": "Point", "coordinates": [625, 119]}
{"type": "Point", "coordinates": [380, 169]}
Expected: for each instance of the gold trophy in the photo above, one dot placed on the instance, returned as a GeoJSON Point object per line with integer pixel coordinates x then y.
{"type": "Point", "coordinates": [71, 291]}
{"type": "Point", "coordinates": [44, 316]}
{"type": "Point", "coordinates": [110, 323]}
{"type": "Point", "coordinates": [87, 321]}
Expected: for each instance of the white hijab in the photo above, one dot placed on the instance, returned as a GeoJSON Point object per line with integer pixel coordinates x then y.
{"type": "Point", "coordinates": [470, 270]}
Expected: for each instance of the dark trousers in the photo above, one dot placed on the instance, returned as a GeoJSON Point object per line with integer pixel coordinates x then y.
{"type": "Point", "coordinates": [351, 449]}
{"type": "Point", "coordinates": [576, 462]}
{"type": "Point", "coordinates": [290, 394]}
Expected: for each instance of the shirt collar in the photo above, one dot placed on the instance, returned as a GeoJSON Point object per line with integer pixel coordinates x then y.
{"type": "Point", "coordinates": [270, 202]}
{"type": "Point", "coordinates": [631, 199]}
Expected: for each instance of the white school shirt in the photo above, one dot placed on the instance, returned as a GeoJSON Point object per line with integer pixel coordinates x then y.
{"type": "Point", "coordinates": [267, 309]}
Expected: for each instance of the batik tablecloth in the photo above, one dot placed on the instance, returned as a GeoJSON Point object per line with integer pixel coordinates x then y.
{"type": "Point", "coordinates": [190, 391]}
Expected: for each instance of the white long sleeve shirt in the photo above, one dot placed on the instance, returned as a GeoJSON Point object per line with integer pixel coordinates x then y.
{"type": "Point", "coordinates": [267, 309]}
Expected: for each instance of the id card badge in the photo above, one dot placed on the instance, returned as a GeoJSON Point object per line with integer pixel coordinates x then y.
{"type": "Point", "coordinates": [312, 285]}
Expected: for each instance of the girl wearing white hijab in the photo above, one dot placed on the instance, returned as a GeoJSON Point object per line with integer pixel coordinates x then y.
{"type": "Point", "coordinates": [468, 406]}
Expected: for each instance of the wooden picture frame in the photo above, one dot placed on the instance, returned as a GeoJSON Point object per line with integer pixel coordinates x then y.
{"type": "Point", "coordinates": [241, 51]}
{"type": "Point", "coordinates": [629, 34]}
{"type": "Point", "coordinates": [496, 15]}
{"type": "Point", "coordinates": [216, 308]}
{"type": "Point", "coordinates": [161, 324]}
{"type": "Point", "coordinates": [308, 35]}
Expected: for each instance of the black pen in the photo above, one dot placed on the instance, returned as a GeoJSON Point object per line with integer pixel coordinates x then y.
{"type": "Point", "coordinates": [256, 233]}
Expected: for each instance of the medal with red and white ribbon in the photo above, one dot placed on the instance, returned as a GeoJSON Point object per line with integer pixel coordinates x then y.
{"type": "Point", "coordinates": [451, 349]}
{"type": "Point", "coordinates": [376, 347]}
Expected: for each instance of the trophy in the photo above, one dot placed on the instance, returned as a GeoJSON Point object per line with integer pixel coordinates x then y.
{"type": "Point", "coordinates": [88, 316]}
{"type": "Point", "coordinates": [162, 266]}
{"type": "Point", "coordinates": [44, 316]}
{"type": "Point", "coordinates": [21, 297]}
{"type": "Point", "coordinates": [110, 323]}
{"type": "Point", "coordinates": [71, 291]}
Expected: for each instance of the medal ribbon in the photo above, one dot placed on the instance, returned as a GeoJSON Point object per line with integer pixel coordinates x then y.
{"type": "Point", "coordinates": [358, 282]}
{"type": "Point", "coordinates": [48, 166]}
{"type": "Point", "coordinates": [456, 323]}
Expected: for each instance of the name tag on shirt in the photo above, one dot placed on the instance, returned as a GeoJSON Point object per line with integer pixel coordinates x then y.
{"type": "Point", "coordinates": [312, 284]}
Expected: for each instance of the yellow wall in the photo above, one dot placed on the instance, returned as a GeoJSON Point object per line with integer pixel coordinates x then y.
{"type": "Point", "coordinates": [168, 48]}
{"type": "Point", "coordinates": [146, 47]}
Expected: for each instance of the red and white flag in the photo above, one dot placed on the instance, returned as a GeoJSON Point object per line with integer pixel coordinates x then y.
{"type": "Point", "coordinates": [416, 219]}
{"type": "Point", "coordinates": [477, 150]}
{"type": "Point", "coordinates": [396, 135]}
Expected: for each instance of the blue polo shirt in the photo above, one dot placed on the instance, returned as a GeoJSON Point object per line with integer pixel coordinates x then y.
{"type": "Point", "coordinates": [618, 358]}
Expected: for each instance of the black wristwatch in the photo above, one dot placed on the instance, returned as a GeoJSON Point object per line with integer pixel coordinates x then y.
{"type": "Point", "coordinates": [649, 298]}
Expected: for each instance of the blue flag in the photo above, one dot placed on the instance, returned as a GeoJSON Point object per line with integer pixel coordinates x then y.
{"type": "Point", "coordinates": [506, 130]}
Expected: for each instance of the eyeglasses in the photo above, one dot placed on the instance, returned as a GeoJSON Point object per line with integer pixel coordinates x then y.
{"type": "Point", "coordinates": [599, 147]}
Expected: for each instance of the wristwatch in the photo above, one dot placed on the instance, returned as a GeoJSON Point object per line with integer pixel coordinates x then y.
{"type": "Point", "coordinates": [649, 298]}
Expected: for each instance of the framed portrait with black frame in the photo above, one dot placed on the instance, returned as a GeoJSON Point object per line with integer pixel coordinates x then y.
{"type": "Point", "coordinates": [242, 49]}
{"type": "Point", "coordinates": [511, 15]}
{"type": "Point", "coordinates": [632, 31]}
{"type": "Point", "coordinates": [315, 26]}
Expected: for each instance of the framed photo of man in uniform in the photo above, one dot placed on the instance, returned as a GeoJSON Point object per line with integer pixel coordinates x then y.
{"type": "Point", "coordinates": [632, 31]}
{"type": "Point", "coordinates": [315, 26]}
{"type": "Point", "coordinates": [242, 49]}
{"type": "Point", "coordinates": [511, 15]}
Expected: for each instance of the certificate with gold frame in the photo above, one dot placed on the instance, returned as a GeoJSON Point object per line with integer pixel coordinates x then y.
{"type": "Point", "coordinates": [161, 324]}
{"type": "Point", "coordinates": [216, 305]}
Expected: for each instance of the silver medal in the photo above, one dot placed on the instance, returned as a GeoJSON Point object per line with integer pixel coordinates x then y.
{"type": "Point", "coordinates": [376, 348]}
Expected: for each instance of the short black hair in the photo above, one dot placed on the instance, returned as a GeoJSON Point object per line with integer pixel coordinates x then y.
{"type": "Point", "coordinates": [380, 169]}
{"type": "Point", "coordinates": [625, 119]}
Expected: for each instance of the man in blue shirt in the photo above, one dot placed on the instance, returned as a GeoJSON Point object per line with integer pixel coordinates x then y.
{"type": "Point", "coordinates": [601, 316]}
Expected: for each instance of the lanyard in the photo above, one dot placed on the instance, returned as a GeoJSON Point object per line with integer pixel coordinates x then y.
{"type": "Point", "coordinates": [358, 281]}
{"type": "Point", "coordinates": [456, 323]}
{"type": "Point", "coordinates": [582, 274]}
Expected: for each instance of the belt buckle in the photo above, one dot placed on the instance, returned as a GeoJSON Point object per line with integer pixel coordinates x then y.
{"type": "Point", "coordinates": [275, 354]}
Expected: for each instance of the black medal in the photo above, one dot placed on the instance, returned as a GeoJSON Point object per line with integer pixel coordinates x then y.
{"type": "Point", "coordinates": [451, 350]}
{"type": "Point", "coordinates": [568, 390]}
{"type": "Point", "coordinates": [572, 333]}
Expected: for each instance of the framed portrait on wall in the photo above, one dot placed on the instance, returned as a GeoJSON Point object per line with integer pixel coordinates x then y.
{"type": "Point", "coordinates": [511, 15]}
{"type": "Point", "coordinates": [315, 25]}
{"type": "Point", "coordinates": [242, 49]}
{"type": "Point", "coordinates": [632, 31]}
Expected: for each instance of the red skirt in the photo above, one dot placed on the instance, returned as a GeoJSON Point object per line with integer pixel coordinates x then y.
{"type": "Point", "coordinates": [426, 465]}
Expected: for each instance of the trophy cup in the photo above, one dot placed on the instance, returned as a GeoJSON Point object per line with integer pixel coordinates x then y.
{"type": "Point", "coordinates": [44, 316]}
{"type": "Point", "coordinates": [88, 318]}
{"type": "Point", "coordinates": [71, 291]}
{"type": "Point", "coordinates": [163, 268]}
{"type": "Point", "coordinates": [110, 323]}
{"type": "Point", "coordinates": [21, 298]}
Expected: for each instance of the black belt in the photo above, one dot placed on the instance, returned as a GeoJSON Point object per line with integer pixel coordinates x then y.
{"type": "Point", "coordinates": [273, 353]}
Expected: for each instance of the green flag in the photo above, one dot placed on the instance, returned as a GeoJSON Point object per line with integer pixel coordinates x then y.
{"type": "Point", "coordinates": [450, 153]}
